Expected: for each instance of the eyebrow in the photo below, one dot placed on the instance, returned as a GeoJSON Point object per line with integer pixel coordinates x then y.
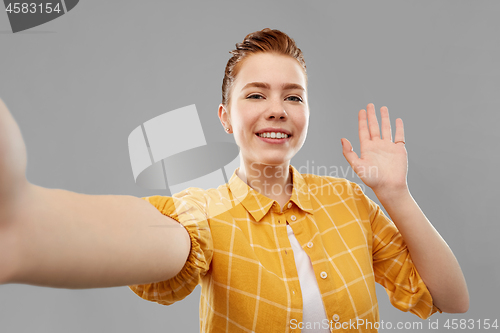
{"type": "Point", "coordinates": [285, 86]}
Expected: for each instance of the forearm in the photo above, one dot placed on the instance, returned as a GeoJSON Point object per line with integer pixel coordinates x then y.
{"type": "Point", "coordinates": [432, 257]}
{"type": "Point", "coordinates": [63, 239]}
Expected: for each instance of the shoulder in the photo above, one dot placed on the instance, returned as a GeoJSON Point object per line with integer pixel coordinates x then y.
{"type": "Point", "coordinates": [333, 189]}
{"type": "Point", "coordinates": [208, 202]}
{"type": "Point", "coordinates": [342, 200]}
{"type": "Point", "coordinates": [341, 185]}
{"type": "Point", "coordinates": [187, 201]}
{"type": "Point", "coordinates": [202, 196]}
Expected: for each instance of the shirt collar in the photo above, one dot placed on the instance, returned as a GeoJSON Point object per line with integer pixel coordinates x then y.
{"type": "Point", "coordinates": [258, 205]}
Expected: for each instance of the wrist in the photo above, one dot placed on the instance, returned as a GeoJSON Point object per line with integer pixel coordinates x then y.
{"type": "Point", "coordinates": [392, 194]}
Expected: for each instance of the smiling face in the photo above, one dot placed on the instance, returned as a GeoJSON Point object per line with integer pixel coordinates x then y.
{"type": "Point", "coordinates": [268, 96]}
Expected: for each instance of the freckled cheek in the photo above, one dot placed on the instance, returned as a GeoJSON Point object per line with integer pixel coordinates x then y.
{"type": "Point", "coordinates": [301, 125]}
{"type": "Point", "coordinates": [243, 136]}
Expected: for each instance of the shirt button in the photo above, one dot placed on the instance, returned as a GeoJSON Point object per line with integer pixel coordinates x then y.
{"type": "Point", "coordinates": [323, 275]}
{"type": "Point", "coordinates": [293, 217]}
{"type": "Point", "coordinates": [336, 317]}
{"type": "Point", "coordinates": [310, 244]}
{"type": "Point", "coordinates": [289, 205]}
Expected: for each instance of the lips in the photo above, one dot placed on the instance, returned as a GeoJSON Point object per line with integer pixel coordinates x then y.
{"type": "Point", "coordinates": [275, 130]}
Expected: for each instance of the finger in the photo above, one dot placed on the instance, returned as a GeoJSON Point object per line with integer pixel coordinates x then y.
{"type": "Point", "coordinates": [349, 154]}
{"type": "Point", "coordinates": [400, 131]}
{"type": "Point", "coordinates": [364, 134]}
{"type": "Point", "coordinates": [386, 123]}
{"type": "Point", "coordinates": [372, 122]}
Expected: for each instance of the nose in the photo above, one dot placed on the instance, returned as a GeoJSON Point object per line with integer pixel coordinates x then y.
{"type": "Point", "coordinates": [277, 111]}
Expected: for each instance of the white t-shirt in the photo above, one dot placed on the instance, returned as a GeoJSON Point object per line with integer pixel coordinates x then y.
{"type": "Point", "coordinates": [313, 308]}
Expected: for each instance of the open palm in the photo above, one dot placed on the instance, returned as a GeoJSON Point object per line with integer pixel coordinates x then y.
{"type": "Point", "coordinates": [382, 164]}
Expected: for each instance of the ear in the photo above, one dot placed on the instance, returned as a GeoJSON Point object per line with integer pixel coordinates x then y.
{"type": "Point", "coordinates": [224, 118]}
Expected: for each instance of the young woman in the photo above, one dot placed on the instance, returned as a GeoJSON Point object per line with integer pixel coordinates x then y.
{"type": "Point", "coordinates": [274, 250]}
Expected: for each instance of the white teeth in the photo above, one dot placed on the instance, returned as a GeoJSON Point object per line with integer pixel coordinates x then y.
{"type": "Point", "coordinates": [274, 135]}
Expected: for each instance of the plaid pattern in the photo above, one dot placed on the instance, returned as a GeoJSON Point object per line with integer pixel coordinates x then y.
{"type": "Point", "coordinates": [242, 257]}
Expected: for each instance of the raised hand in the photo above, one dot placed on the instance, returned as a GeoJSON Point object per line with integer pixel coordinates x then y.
{"type": "Point", "coordinates": [382, 164]}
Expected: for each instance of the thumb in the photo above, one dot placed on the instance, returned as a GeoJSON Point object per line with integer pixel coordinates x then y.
{"type": "Point", "coordinates": [348, 152]}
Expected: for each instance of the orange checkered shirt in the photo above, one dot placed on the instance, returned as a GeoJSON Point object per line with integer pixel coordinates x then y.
{"type": "Point", "coordinates": [242, 257]}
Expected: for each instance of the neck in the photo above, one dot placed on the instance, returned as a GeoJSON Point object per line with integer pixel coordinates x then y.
{"type": "Point", "coordinates": [272, 181]}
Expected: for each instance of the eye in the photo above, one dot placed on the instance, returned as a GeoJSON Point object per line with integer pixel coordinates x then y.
{"type": "Point", "coordinates": [254, 96]}
{"type": "Point", "coordinates": [295, 98]}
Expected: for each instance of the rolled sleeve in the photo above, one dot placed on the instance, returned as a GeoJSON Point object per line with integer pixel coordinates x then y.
{"type": "Point", "coordinates": [189, 210]}
{"type": "Point", "coordinates": [393, 267]}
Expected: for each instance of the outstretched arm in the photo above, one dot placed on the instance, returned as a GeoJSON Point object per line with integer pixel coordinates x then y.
{"type": "Point", "coordinates": [57, 238]}
{"type": "Point", "coordinates": [383, 167]}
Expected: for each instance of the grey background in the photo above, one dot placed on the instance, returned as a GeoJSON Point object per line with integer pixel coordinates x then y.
{"type": "Point", "coordinates": [80, 84]}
